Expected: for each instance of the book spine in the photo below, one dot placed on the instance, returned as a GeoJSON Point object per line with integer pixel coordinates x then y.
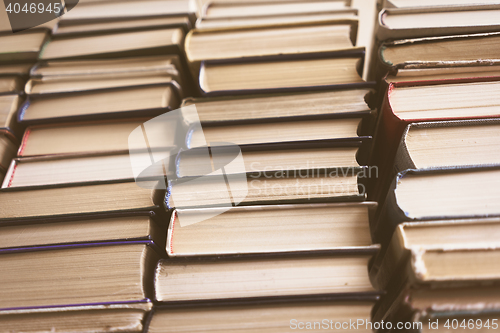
{"type": "Point", "coordinates": [389, 216]}
{"type": "Point", "coordinates": [403, 160]}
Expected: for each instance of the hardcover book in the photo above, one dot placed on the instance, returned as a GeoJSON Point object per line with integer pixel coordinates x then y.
{"type": "Point", "coordinates": [102, 104]}
{"type": "Point", "coordinates": [82, 138]}
{"type": "Point", "coordinates": [91, 318]}
{"type": "Point", "coordinates": [438, 194]}
{"type": "Point", "coordinates": [263, 276]}
{"type": "Point", "coordinates": [273, 317]}
{"type": "Point", "coordinates": [23, 203]}
{"type": "Point", "coordinates": [29, 283]}
{"type": "Point", "coordinates": [267, 74]}
{"type": "Point", "coordinates": [274, 228]}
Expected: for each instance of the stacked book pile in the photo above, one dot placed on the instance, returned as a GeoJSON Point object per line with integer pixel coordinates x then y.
{"type": "Point", "coordinates": [436, 145]}
{"type": "Point", "coordinates": [17, 55]}
{"type": "Point", "coordinates": [79, 239]}
{"type": "Point", "coordinates": [283, 242]}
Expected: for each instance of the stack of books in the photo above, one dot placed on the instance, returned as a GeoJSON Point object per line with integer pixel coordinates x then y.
{"type": "Point", "coordinates": [79, 238]}
{"type": "Point", "coordinates": [436, 147]}
{"type": "Point", "coordinates": [283, 242]}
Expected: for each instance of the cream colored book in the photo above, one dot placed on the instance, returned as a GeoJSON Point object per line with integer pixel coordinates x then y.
{"type": "Point", "coordinates": [277, 40]}
{"type": "Point", "coordinates": [168, 64]}
{"type": "Point", "coordinates": [269, 318]}
{"type": "Point", "coordinates": [267, 75]}
{"type": "Point", "coordinates": [181, 280]}
{"type": "Point", "coordinates": [209, 23]}
{"type": "Point", "coordinates": [11, 85]}
{"type": "Point", "coordinates": [22, 69]}
{"type": "Point", "coordinates": [239, 9]}
{"type": "Point", "coordinates": [456, 234]}
{"type": "Point", "coordinates": [96, 277]}
{"type": "Point", "coordinates": [293, 130]}
{"type": "Point", "coordinates": [265, 229]}
{"type": "Point", "coordinates": [91, 318]}
{"type": "Point", "coordinates": [312, 186]}
{"type": "Point", "coordinates": [150, 42]}
{"type": "Point", "coordinates": [190, 163]}
{"type": "Point", "coordinates": [123, 102]}
{"type": "Point", "coordinates": [84, 229]}
{"type": "Point", "coordinates": [436, 3]}
{"type": "Point", "coordinates": [397, 23]}
{"type": "Point", "coordinates": [76, 169]}
{"type": "Point", "coordinates": [102, 137]}
{"type": "Point", "coordinates": [40, 202]}
{"type": "Point", "coordinates": [443, 50]}
{"type": "Point", "coordinates": [308, 104]}
{"type": "Point", "coordinates": [445, 73]}
{"type": "Point", "coordinates": [107, 10]}
{"type": "Point", "coordinates": [449, 144]}
{"type": "Point", "coordinates": [22, 46]}
{"type": "Point", "coordinates": [76, 27]}
{"type": "Point", "coordinates": [9, 105]}
{"type": "Point", "coordinates": [8, 149]}
{"type": "Point", "coordinates": [95, 83]}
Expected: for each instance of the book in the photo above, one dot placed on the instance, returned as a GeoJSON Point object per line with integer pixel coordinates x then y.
{"type": "Point", "coordinates": [271, 159]}
{"type": "Point", "coordinates": [75, 199]}
{"type": "Point", "coordinates": [169, 64]}
{"type": "Point", "coordinates": [240, 9]}
{"type": "Point", "coordinates": [52, 170]}
{"type": "Point", "coordinates": [451, 283]}
{"type": "Point", "coordinates": [11, 85]}
{"type": "Point", "coordinates": [73, 74]}
{"type": "Point", "coordinates": [97, 83]}
{"type": "Point", "coordinates": [22, 46]}
{"type": "Point", "coordinates": [445, 144]}
{"type": "Point", "coordinates": [90, 318]}
{"type": "Point", "coordinates": [73, 28]}
{"type": "Point", "coordinates": [341, 15]}
{"type": "Point", "coordinates": [438, 3]}
{"type": "Point", "coordinates": [273, 74]}
{"type": "Point", "coordinates": [8, 109]}
{"type": "Point", "coordinates": [273, 40]}
{"type": "Point", "coordinates": [400, 23]}
{"type": "Point", "coordinates": [433, 234]}
{"type": "Point", "coordinates": [436, 74]}
{"type": "Point", "coordinates": [286, 130]}
{"type": "Point", "coordinates": [20, 69]}
{"type": "Point", "coordinates": [438, 51]}
{"type": "Point", "coordinates": [8, 148]}
{"type": "Point", "coordinates": [271, 317]}
{"type": "Point", "coordinates": [88, 228]}
{"type": "Point", "coordinates": [435, 268]}
{"type": "Point", "coordinates": [107, 11]}
{"type": "Point", "coordinates": [265, 276]}
{"type": "Point", "coordinates": [308, 187]}
{"type": "Point", "coordinates": [407, 103]}
{"type": "Point", "coordinates": [279, 106]}
{"type": "Point", "coordinates": [137, 43]}
{"type": "Point", "coordinates": [105, 104]}
{"type": "Point", "coordinates": [275, 228]}
{"type": "Point", "coordinates": [410, 304]}
{"type": "Point", "coordinates": [29, 283]}
{"type": "Point", "coordinates": [81, 138]}
{"type": "Point", "coordinates": [437, 194]}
